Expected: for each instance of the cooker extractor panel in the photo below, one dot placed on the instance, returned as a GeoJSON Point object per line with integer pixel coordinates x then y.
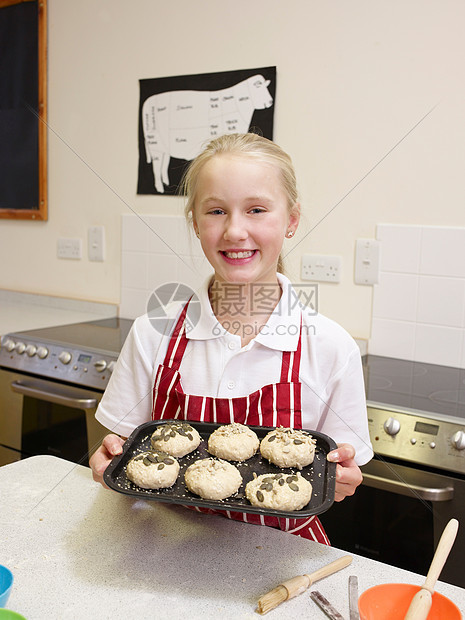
{"type": "Point", "coordinates": [429, 441]}
{"type": "Point", "coordinates": [90, 368]}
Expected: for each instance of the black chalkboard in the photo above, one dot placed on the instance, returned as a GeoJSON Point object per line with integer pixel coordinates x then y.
{"type": "Point", "coordinates": [22, 111]}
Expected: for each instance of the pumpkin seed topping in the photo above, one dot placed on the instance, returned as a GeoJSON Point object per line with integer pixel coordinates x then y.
{"type": "Point", "coordinates": [260, 496]}
{"type": "Point", "coordinates": [293, 486]}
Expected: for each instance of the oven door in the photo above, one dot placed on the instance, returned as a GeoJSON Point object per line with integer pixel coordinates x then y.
{"type": "Point", "coordinates": [397, 516]}
{"type": "Point", "coordinates": [45, 417]}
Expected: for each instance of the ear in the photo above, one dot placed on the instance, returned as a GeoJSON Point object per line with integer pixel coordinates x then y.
{"type": "Point", "coordinates": [294, 216]}
{"type": "Point", "coordinates": [194, 223]}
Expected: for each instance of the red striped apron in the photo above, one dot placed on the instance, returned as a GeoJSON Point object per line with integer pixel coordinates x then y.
{"type": "Point", "coordinates": [276, 404]}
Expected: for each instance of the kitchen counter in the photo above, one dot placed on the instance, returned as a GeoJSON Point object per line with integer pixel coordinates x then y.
{"type": "Point", "coordinates": [78, 551]}
{"type": "Point", "coordinates": [25, 311]}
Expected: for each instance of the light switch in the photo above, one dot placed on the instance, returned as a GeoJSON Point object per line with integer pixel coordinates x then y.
{"type": "Point", "coordinates": [366, 261]}
{"type": "Point", "coordinates": [96, 243]}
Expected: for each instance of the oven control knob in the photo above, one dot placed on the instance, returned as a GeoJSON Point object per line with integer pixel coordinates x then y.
{"type": "Point", "coordinates": [65, 357]}
{"type": "Point", "coordinates": [392, 426]}
{"type": "Point", "coordinates": [31, 350]}
{"type": "Point", "coordinates": [100, 365]}
{"type": "Point", "coordinates": [42, 352]}
{"type": "Point", "coordinates": [458, 440]}
{"type": "Point", "coordinates": [9, 345]}
{"type": "Point", "coordinates": [111, 366]}
{"type": "Point", "coordinates": [20, 347]}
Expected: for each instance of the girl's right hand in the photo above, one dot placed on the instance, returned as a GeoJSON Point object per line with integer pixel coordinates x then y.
{"type": "Point", "coordinates": [112, 445]}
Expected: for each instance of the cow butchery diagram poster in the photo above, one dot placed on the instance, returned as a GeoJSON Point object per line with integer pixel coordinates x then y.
{"type": "Point", "coordinates": [179, 115]}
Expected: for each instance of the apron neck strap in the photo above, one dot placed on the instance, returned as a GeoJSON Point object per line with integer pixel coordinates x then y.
{"type": "Point", "coordinates": [290, 365]}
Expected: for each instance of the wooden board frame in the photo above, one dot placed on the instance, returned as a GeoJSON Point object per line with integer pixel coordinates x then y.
{"type": "Point", "coordinates": [40, 212]}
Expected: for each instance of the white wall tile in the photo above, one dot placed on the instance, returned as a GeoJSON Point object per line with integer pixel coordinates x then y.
{"type": "Point", "coordinates": [163, 234]}
{"type": "Point", "coordinates": [134, 270]}
{"type": "Point", "coordinates": [157, 250]}
{"type": "Point", "coordinates": [133, 303]}
{"type": "Point", "coordinates": [441, 301]}
{"type": "Point", "coordinates": [392, 339]}
{"type": "Point", "coordinates": [438, 345]}
{"type": "Point", "coordinates": [161, 268]}
{"type": "Point", "coordinates": [395, 297]}
{"type": "Point", "coordinates": [399, 248]}
{"type": "Point", "coordinates": [133, 234]}
{"type": "Point", "coordinates": [462, 353]}
{"type": "Point", "coordinates": [442, 251]}
{"type": "Point", "coordinates": [422, 268]}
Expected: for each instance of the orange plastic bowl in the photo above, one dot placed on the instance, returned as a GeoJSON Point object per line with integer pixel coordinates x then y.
{"type": "Point", "coordinates": [390, 601]}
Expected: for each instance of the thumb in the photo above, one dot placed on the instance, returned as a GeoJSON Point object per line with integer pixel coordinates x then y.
{"type": "Point", "coordinates": [344, 452]}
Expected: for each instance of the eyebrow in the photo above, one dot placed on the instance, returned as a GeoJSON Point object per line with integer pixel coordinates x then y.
{"type": "Point", "coordinates": [216, 200]}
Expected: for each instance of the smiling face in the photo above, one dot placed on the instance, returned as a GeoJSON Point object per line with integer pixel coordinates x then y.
{"type": "Point", "coordinates": [242, 215]}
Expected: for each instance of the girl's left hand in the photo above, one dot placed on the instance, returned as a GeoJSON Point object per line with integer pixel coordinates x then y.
{"type": "Point", "coordinates": [348, 474]}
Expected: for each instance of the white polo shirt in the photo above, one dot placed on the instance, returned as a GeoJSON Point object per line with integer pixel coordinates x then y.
{"type": "Point", "coordinates": [215, 364]}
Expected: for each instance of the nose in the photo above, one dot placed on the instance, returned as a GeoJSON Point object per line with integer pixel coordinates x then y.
{"type": "Point", "coordinates": [235, 228]}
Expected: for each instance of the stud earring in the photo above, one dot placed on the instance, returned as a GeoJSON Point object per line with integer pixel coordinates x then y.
{"type": "Point", "coordinates": [198, 234]}
{"type": "Point", "coordinates": [290, 234]}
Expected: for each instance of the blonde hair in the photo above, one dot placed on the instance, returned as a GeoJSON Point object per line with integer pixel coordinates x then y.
{"type": "Point", "coordinates": [250, 145]}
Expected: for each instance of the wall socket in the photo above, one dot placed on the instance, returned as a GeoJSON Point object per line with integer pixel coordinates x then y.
{"type": "Point", "coordinates": [321, 268]}
{"type": "Point", "coordinates": [69, 248]}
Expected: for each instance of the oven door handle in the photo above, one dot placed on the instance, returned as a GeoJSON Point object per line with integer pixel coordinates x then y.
{"type": "Point", "coordinates": [59, 395]}
{"type": "Point", "coordinates": [406, 481]}
{"type": "Point", "coordinates": [431, 494]}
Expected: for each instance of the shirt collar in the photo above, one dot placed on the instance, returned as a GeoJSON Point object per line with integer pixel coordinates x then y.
{"type": "Point", "coordinates": [281, 332]}
{"type": "Point", "coordinates": [204, 324]}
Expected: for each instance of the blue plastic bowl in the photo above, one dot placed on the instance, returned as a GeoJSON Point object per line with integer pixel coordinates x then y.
{"type": "Point", "coordinates": [6, 583]}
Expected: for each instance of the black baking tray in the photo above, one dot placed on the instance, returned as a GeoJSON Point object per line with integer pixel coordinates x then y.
{"type": "Point", "coordinates": [321, 473]}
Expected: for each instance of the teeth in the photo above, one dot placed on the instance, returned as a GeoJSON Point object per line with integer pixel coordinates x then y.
{"type": "Point", "coordinates": [239, 254]}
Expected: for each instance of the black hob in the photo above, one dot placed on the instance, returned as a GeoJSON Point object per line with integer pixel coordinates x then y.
{"type": "Point", "coordinates": [438, 391]}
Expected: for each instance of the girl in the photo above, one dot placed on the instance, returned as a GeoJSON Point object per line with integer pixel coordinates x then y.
{"type": "Point", "coordinates": [255, 355]}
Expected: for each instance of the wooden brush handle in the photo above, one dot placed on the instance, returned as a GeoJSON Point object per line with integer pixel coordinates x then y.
{"type": "Point", "coordinates": [299, 584]}
{"type": "Point", "coordinates": [420, 606]}
{"type": "Point", "coordinates": [329, 569]}
{"type": "Point", "coordinates": [421, 603]}
{"type": "Point", "coordinates": [442, 552]}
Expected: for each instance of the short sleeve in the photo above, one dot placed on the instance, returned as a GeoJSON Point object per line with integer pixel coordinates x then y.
{"type": "Point", "coordinates": [127, 401]}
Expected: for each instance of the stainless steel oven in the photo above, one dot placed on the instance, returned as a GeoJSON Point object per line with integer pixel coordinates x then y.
{"type": "Point", "coordinates": [51, 381]}
{"type": "Point", "coordinates": [416, 482]}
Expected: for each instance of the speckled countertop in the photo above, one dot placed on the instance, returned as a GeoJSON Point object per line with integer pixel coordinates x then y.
{"type": "Point", "coordinates": [78, 551]}
{"type": "Point", "coordinates": [25, 311]}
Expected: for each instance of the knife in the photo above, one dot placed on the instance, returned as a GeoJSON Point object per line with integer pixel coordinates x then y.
{"type": "Point", "coordinates": [325, 605]}
{"type": "Point", "coordinates": [353, 598]}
